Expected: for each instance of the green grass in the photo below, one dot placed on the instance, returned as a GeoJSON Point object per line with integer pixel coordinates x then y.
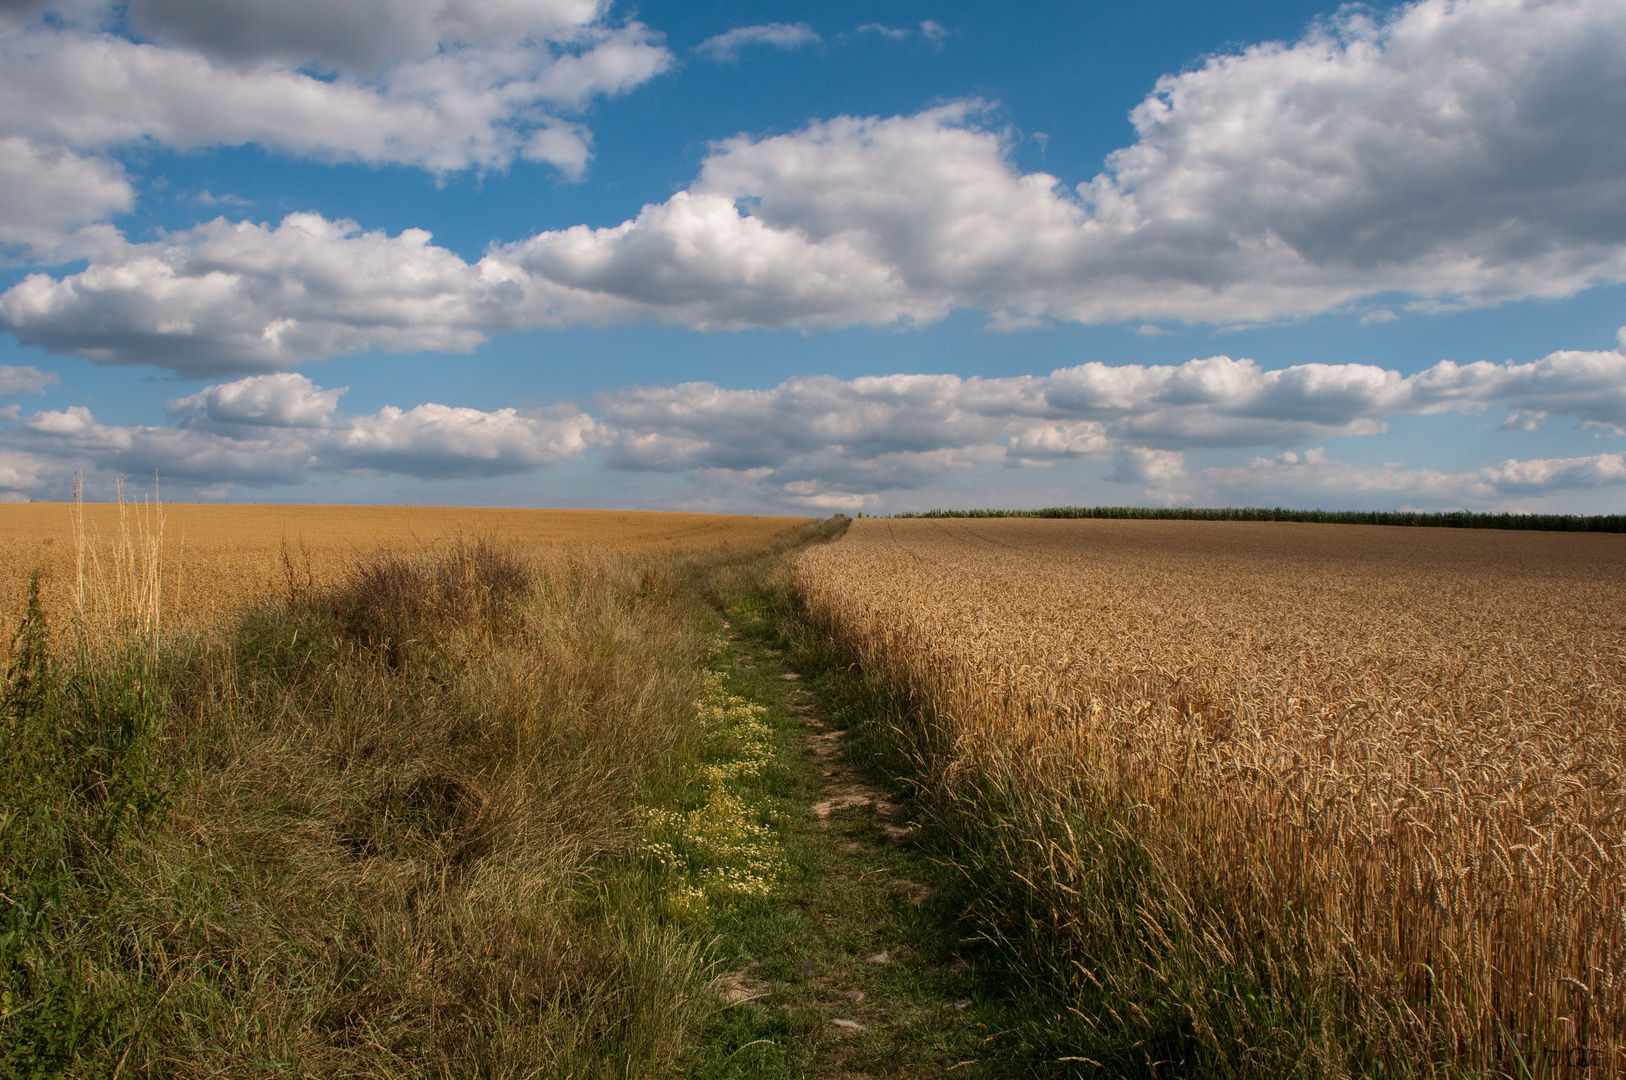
{"type": "Point", "coordinates": [390, 830]}
{"type": "Point", "coordinates": [852, 893]}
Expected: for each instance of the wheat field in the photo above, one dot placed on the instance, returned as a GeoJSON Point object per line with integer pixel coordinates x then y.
{"type": "Point", "coordinates": [215, 557]}
{"type": "Point", "coordinates": [1385, 764]}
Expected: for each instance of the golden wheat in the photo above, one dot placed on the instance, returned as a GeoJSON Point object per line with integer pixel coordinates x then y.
{"type": "Point", "coordinates": [216, 558]}
{"type": "Point", "coordinates": [1413, 741]}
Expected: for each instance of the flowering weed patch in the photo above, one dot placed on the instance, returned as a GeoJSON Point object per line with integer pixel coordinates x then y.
{"type": "Point", "coordinates": [721, 845]}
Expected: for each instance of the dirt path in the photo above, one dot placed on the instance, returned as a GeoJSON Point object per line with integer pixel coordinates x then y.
{"type": "Point", "coordinates": [856, 968]}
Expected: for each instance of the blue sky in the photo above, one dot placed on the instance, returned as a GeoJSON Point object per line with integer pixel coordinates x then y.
{"type": "Point", "coordinates": [805, 258]}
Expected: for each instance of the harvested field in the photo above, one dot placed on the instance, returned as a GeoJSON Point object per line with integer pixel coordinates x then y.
{"type": "Point", "coordinates": [1378, 774]}
{"type": "Point", "coordinates": [216, 557]}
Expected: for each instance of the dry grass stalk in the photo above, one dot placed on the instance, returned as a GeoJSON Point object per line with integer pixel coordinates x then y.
{"type": "Point", "coordinates": [1390, 763]}
{"type": "Point", "coordinates": [118, 586]}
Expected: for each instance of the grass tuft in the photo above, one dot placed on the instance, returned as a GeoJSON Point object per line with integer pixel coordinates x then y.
{"type": "Point", "coordinates": [391, 826]}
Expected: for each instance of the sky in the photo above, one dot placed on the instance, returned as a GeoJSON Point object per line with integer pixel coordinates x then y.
{"type": "Point", "coordinates": [785, 257]}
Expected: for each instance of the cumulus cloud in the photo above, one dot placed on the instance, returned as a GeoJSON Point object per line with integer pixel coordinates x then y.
{"type": "Point", "coordinates": [241, 297]}
{"type": "Point", "coordinates": [725, 48]}
{"type": "Point", "coordinates": [225, 297]}
{"type": "Point", "coordinates": [440, 441]}
{"type": "Point", "coordinates": [1406, 155]}
{"type": "Point", "coordinates": [878, 431]}
{"type": "Point", "coordinates": [16, 380]}
{"type": "Point", "coordinates": [22, 473]}
{"type": "Point", "coordinates": [1412, 155]}
{"type": "Point", "coordinates": [48, 192]}
{"type": "Point", "coordinates": [439, 84]}
{"type": "Point", "coordinates": [361, 36]}
{"type": "Point", "coordinates": [832, 444]}
{"type": "Point", "coordinates": [74, 436]}
{"type": "Point", "coordinates": [1141, 465]}
{"type": "Point", "coordinates": [850, 439]}
{"type": "Point", "coordinates": [461, 106]}
{"type": "Point", "coordinates": [1550, 474]}
{"type": "Point", "coordinates": [284, 400]}
{"type": "Point", "coordinates": [282, 429]}
{"type": "Point", "coordinates": [1590, 386]}
{"type": "Point", "coordinates": [1312, 475]}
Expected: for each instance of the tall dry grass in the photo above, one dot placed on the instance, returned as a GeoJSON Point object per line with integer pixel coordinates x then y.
{"type": "Point", "coordinates": [118, 583]}
{"type": "Point", "coordinates": [389, 825]}
{"type": "Point", "coordinates": [216, 558]}
{"type": "Point", "coordinates": [1275, 797]}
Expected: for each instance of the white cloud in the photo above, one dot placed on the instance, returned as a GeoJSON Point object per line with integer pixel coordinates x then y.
{"type": "Point", "coordinates": [1402, 156]}
{"type": "Point", "coordinates": [844, 439]}
{"type": "Point", "coordinates": [460, 107]}
{"type": "Point", "coordinates": [282, 429]}
{"type": "Point", "coordinates": [439, 84]}
{"type": "Point", "coordinates": [16, 380]}
{"type": "Point", "coordinates": [47, 192]}
{"type": "Point", "coordinates": [209, 198]}
{"type": "Point", "coordinates": [360, 36]}
{"type": "Point", "coordinates": [1523, 420]}
{"type": "Point", "coordinates": [696, 261]}
{"type": "Point", "coordinates": [1406, 156]}
{"type": "Point", "coordinates": [73, 437]}
{"type": "Point", "coordinates": [1162, 472]}
{"type": "Point", "coordinates": [225, 297]}
{"type": "Point", "coordinates": [1554, 474]}
{"type": "Point", "coordinates": [930, 29]}
{"type": "Point", "coordinates": [437, 440]}
{"type": "Point", "coordinates": [22, 474]}
{"type": "Point", "coordinates": [1590, 386]}
{"type": "Point", "coordinates": [1311, 476]}
{"type": "Point", "coordinates": [1139, 465]}
{"type": "Point", "coordinates": [832, 444]}
{"type": "Point", "coordinates": [868, 435]}
{"type": "Point", "coordinates": [285, 400]}
{"type": "Point", "coordinates": [896, 33]}
{"type": "Point", "coordinates": [865, 429]}
{"type": "Point", "coordinates": [725, 48]}
{"type": "Point", "coordinates": [243, 297]}
{"type": "Point", "coordinates": [618, 60]}
{"type": "Point", "coordinates": [1413, 155]}
{"type": "Point", "coordinates": [1045, 442]}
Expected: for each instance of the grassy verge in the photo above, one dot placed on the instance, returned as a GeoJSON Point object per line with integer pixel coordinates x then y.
{"type": "Point", "coordinates": [397, 828]}
{"type": "Point", "coordinates": [862, 964]}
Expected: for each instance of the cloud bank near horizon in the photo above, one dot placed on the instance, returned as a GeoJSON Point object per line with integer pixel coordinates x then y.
{"type": "Point", "coordinates": [833, 444]}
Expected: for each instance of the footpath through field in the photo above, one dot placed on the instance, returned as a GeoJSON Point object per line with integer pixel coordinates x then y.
{"type": "Point", "coordinates": [856, 967]}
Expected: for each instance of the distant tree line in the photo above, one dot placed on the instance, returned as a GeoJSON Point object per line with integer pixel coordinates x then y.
{"type": "Point", "coordinates": [1451, 519]}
